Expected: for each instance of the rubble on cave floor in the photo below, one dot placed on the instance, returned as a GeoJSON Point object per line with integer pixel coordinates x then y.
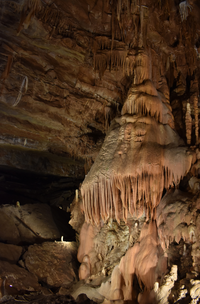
{"type": "Point", "coordinates": [45, 273]}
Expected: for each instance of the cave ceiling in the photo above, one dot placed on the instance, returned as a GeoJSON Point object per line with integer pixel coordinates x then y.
{"type": "Point", "coordinates": [66, 67]}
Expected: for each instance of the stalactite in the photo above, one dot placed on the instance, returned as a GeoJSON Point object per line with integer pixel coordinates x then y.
{"type": "Point", "coordinates": [113, 60]}
{"type": "Point", "coordinates": [143, 25]}
{"type": "Point", "coordinates": [107, 115]}
{"type": "Point", "coordinates": [142, 99]}
{"type": "Point", "coordinates": [196, 118]}
{"type": "Point", "coordinates": [188, 124]}
{"type": "Point", "coordinates": [7, 67]}
{"type": "Point", "coordinates": [30, 9]}
{"type": "Point", "coordinates": [23, 85]}
{"type": "Point", "coordinates": [100, 63]}
{"type": "Point", "coordinates": [127, 178]}
{"type": "Point", "coordinates": [103, 42]}
{"type": "Point", "coordinates": [119, 5]}
{"type": "Point", "coordinates": [123, 193]}
{"type": "Point", "coordinates": [113, 24]}
{"type": "Point", "coordinates": [121, 10]}
{"type": "Point", "coordinates": [184, 8]}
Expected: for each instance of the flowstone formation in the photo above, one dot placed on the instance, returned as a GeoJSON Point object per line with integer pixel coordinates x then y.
{"type": "Point", "coordinates": [125, 237]}
{"type": "Point", "coordinates": [141, 155]}
{"type": "Point", "coordinates": [70, 72]}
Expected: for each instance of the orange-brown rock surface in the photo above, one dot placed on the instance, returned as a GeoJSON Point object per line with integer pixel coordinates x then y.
{"type": "Point", "coordinates": [103, 93]}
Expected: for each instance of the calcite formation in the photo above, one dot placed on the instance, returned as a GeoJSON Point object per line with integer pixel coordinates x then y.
{"type": "Point", "coordinates": [71, 71]}
{"type": "Point", "coordinates": [141, 156]}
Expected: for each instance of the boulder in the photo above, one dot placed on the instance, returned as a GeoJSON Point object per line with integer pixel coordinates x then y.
{"type": "Point", "coordinates": [10, 253]}
{"type": "Point", "coordinates": [15, 280]}
{"type": "Point", "coordinates": [53, 263]}
{"type": "Point", "coordinates": [27, 223]}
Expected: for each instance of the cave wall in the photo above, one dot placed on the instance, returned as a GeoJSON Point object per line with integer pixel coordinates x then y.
{"type": "Point", "coordinates": [66, 68]}
{"type": "Point", "coordinates": [68, 74]}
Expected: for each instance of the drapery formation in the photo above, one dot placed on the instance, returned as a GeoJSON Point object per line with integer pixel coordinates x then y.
{"type": "Point", "coordinates": [141, 155]}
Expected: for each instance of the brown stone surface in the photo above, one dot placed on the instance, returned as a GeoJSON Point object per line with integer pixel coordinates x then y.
{"type": "Point", "coordinates": [69, 68]}
{"type": "Point", "coordinates": [61, 84]}
{"type": "Point", "coordinates": [10, 253]}
{"type": "Point", "coordinates": [27, 223]}
{"type": "Point", "coordinates": [141, 156]}
{"type": "Point", "coordinates": [39, 299]}
{"type": "Point", "coordinates": [28, 188]}
{"type": "Point", "coordinates": [15, 279]}
{"type": "Point", "coordinates": [77, 215]}
{"type": "Point", "coordinates": [177, 217]}
{"type": "Point", "coordinates": [101, 248]}
{"type": "Point", "coordinates": [140, 260]}
{"type": "Point", "coordinates": [53, 263]}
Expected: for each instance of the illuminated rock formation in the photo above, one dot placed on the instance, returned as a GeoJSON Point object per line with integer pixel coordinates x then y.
{"type": "Point", "coordinates": [141, 155]}
{"type": "Point", "coordinates": [71, 71]}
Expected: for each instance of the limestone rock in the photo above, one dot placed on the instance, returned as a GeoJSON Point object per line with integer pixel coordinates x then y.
{"type": "Point", "coordinates": [27, 223]}
{"type": "Point", "coordinates": [163, 292]}
{"type": "Point", "coordinates": [139, 264]}
{"type": "Point", "coordinates": [10, 253]}
{"type": "Point", "coordinates": [53, 263]}
{"type": "Point", "coordinates": [177, 217]}
{"type": "Point", "coordinates": [67, 68]}
{"type": "Point", "coordinates": [91, 292]}
{"type": "Point", "coordinates": [52, 101]}
{"type": "Point", "coordinates": [101, 248]}
{"type": "Point", "coordinates": [196, 246]}
{"type": "Point", "coordinates": [77, 216]}
{"type": "Point", "coordinates": [14, 279]}
{"type": "Point", "coordinates": [194, 184]}
{"type": "Point", "coordinates": [195, 291]}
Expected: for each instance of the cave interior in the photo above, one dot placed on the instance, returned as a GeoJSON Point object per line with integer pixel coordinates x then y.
{"type": "Point", "coordinates": [99, 151]}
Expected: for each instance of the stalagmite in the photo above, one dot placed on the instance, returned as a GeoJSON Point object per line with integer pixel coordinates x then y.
{"type": "Point", "coordinates": [141, 155]}
{"type": "Point", "coordinates": [7, 68]}
{"type": "Point", "coordinates": [140, 260]}
{"type": "Point", "coordinates": [196, 118]}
